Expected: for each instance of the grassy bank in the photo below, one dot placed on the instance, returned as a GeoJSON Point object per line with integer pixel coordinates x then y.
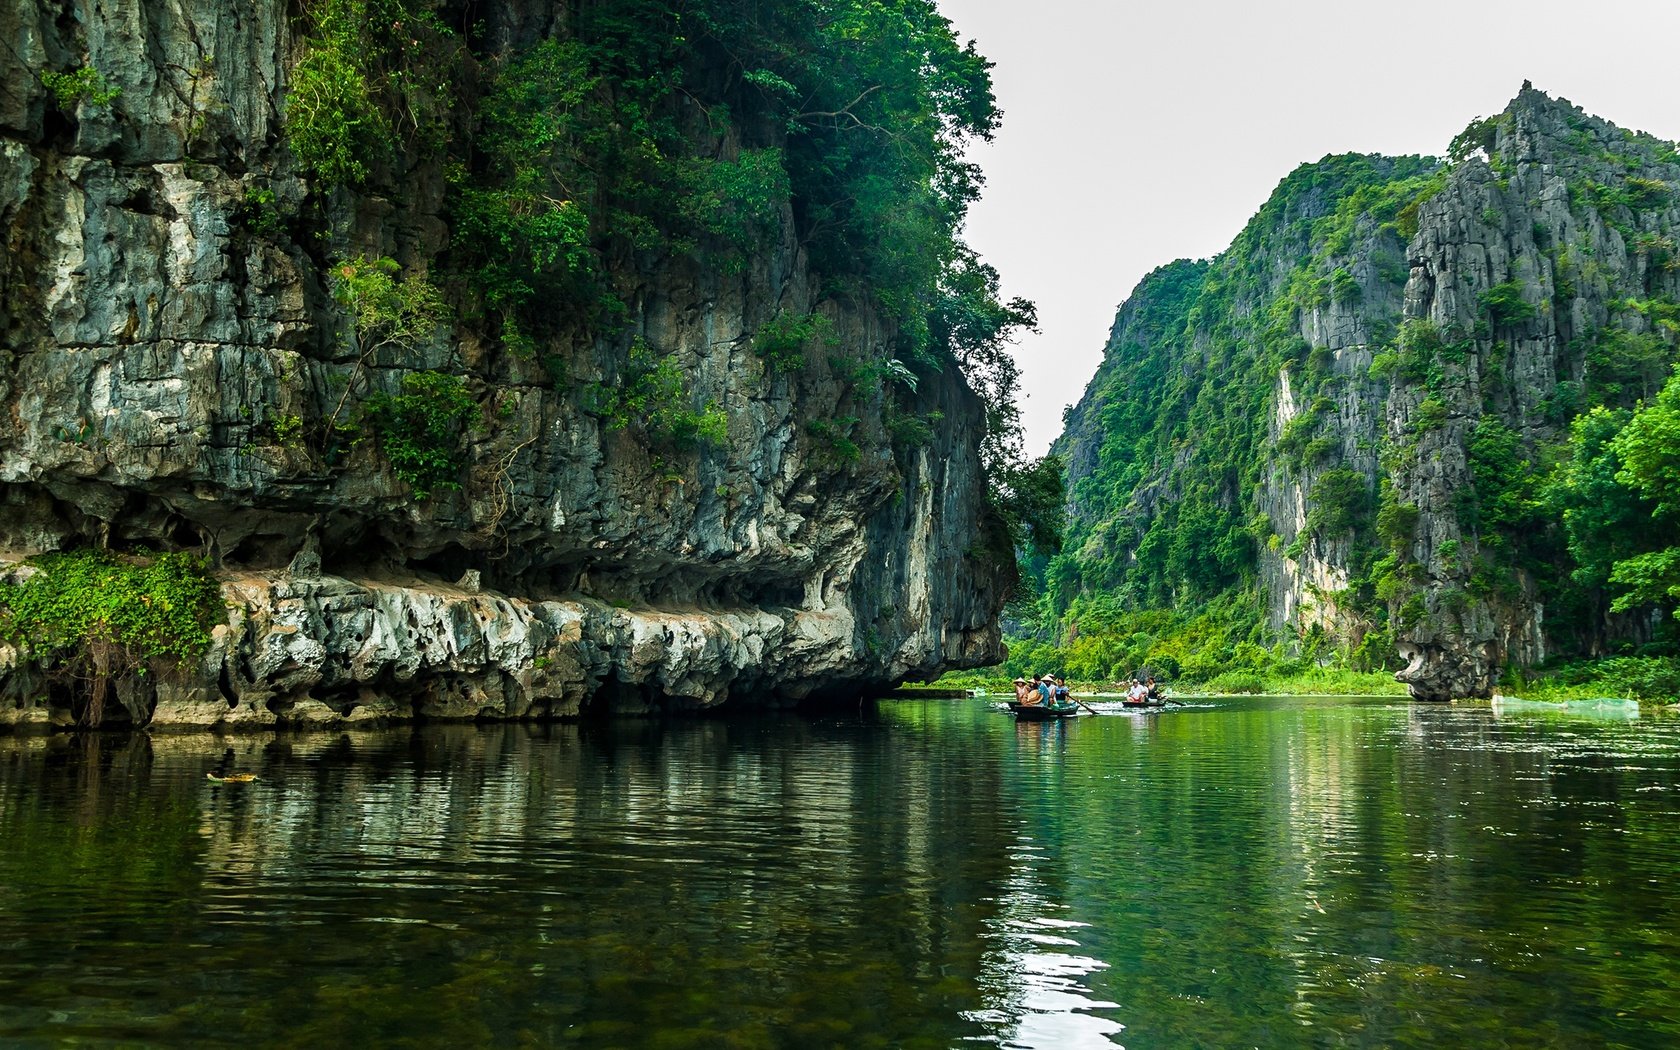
{"type": "Point", "coordinates": [1654, 679]}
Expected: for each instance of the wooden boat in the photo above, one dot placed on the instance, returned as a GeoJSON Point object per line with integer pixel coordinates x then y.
{"type": "Point", "coordinates": [1041, 713]}
{"type": "Point", "coordinates": [1154, 701]}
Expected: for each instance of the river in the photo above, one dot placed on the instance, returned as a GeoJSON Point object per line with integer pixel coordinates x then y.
{"type": "Point", "coordinates": [1268, 872]}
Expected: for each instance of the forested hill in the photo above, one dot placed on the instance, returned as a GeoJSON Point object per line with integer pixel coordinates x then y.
{"type": "Point", "coordinates": [1414, 417]}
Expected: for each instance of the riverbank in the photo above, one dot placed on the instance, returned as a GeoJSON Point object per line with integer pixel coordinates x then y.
{"type": "Point", "coordinates": [1649, 679]}
{"type": "Point", "coordinates": [1317, 682]}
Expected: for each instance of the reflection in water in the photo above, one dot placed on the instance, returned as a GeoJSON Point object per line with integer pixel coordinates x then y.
{"type": "Point", "coordinates": [1260, 873]}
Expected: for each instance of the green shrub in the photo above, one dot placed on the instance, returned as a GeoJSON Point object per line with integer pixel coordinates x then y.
{"type": "Point", "coordinates": [653, 395]}
{"type": "Point", "coordinates": [835, 444]}
{"type": "Point", "coordinates": [1341, 499]}
{"type": "Point", "coordinates": [1644, 678]}
{"type": "Point", "coordinates": [1397, 522]}
{"type": "Point", "coordinates": [1344, 287]}
{"type": "Point", "coordinates": [1431, 414]}
{"type": "Point", "coordinates": [420, 430]}
{"type": "Point", "coordinates": [782, 340]}
{"type": "Point", "coordinates": [386, 309]}
{"type": "Point", "coordinates": [85, 84]}
{"type": "Point", "coordinates": [370, 72]}
{"type": "Point", "coordinates": [1505, 306]}
{"type": "Point", "coordinates": [96, 616]}
{"type": "Point", "coordinates": [1235, 682]}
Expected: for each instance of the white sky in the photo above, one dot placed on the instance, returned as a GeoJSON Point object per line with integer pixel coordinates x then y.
{"type": "Point", "coordinates": [1135, 133]}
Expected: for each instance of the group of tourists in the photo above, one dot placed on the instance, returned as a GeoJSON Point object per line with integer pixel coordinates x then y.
{"type": "Point", "coordinates": [1047, 690]}
{"type": "Point", "coordinates": [1143, 690]}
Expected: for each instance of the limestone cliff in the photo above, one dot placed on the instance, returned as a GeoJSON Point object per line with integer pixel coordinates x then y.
{"type": "Point", "coordinates": [174, 363]}
{"type": "Point", "coordinates": [1355, 408]}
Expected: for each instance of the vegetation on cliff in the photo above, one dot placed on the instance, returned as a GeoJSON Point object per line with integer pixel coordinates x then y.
{"type": "Point", "coordinates": [96, 618]}
{"type": "Point", "coordinates": [696, 129]}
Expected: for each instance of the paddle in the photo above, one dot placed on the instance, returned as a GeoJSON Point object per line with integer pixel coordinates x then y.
{"type": "Point", "coordinates": [1083, 704]}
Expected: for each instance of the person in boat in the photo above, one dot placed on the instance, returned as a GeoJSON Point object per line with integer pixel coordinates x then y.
{"type": "Point", "coordinates": [1047, 690]}
{"type": "Point", "coordinates": [1154, 691]}
{"type": "Point", "coordinates": [1138, 693]}
{"type": "Point", "coordinates": [1061, 691]}
{"type": "Point", "coordinates": [1025, 694]}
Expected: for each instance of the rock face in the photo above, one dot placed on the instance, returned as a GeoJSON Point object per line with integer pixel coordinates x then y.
{"type": "Point", "coordinates": [1373, 377]}
{"type": "Point", "coordinates": [161, 341]}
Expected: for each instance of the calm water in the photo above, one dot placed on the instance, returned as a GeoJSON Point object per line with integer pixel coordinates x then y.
{"type": "Point", "coordinates": [1255, 873]}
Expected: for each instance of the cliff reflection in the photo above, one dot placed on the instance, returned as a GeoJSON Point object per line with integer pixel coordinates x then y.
{"type": "Point", "coordinates": [764, 882]}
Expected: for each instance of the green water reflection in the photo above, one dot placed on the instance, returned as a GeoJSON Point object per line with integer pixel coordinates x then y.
{"type": "Point", "coordinates": [1253, 873]}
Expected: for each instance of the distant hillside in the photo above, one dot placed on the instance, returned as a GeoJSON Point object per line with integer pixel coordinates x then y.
{"type": "Point", "coordinates": [1382, 423]}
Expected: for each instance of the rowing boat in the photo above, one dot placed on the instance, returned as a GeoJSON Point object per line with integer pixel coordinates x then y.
{"type": "Point", "coordinates": [1042, 713]}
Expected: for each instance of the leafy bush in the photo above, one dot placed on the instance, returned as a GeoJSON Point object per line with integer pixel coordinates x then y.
{"type": "Point", "coordinates": [370, 72]}
{"type": "Point", "coordinates": [96, 616]}
{"type": "Point", "coordinates": [781, 341]}
{"type": "Point", "coordinates": [85, 84]}
{"type": "Point", "coordinates": [386, 308]}
{"type": "Point", "coordinates": [1505, 305]}
{"type": "Point", "coordinates": [653, 395]}
{"type": "Point", "coordinates": [1341, 499]}
{"type": "Point", "coordinates": [1396, 522]}
{"type": "Point", "coordinates": [1644, 678]}
{"type": "Point", "coordinates": [1477, 137]}
{"type": "Point", "coordinates": [1235, 682]}
{"type": "Point", "coordinates": [420, 430]}
{"type": "Point", "coordinates": [1431, 414]}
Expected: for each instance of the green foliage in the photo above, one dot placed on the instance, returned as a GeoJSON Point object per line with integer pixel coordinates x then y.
{"type": "Point", "coordinates": [910, 431]}
{"type": "Point", "coordinates": [1504, 494]}
{"type": "Point", "coordinates": [782, 340]}
{"type": "Point", "coordinates": [421, 430]}
{"type": "Point", "coordinates": [332, 121]}
{"type": "Point", "coordinates": [1477, 137]}
{"type": "Point", "coordinates": [1648, 448]}
{"type": "Point", "coordinates": [84, 84]}
{"type": "Point", "coordinates": [1604, 520]}
{"type": "Point", "coordinates": [259, 212]}
{"type": "Point", "coordinates": [1505, 306]}
{"type": "Point", "coordinates": [1652, 678]}
{"type": "Point", "coordinates": [1032, 499]}
{"type": "Point", "coordinates": [154, 607]}
{"type": "Point", "coordinates": [1341, 499]}
{"type": "Point", "coordinates": [98, 616]}
{"type": "Point", "coordinates": [371, 73]}
{"type": "Point", "coordinates": [834, 444]}
{"type": "Point", "coordinates": [1344, 288]}
{"type": "Point", "coordinates": [1396, 522]}
{"type": "Point", "coordinates": [737, 201]}
{"type": "Point", "coordinates": [385, 307]}
{"type": "Point", "coordinates": [652, 395]}
{"type": "Point", "coordinates": [1624, 366]}
{"type": "Point", "coordinates": [1430, 414]}
{"type": "Point", "coordinates": [523, 229]}
{"type": "Point", "coordinates": [1235, 682]}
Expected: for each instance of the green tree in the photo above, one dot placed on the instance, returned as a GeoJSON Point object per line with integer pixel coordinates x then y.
{"type": "Point", "coordinates": [1649, 450]}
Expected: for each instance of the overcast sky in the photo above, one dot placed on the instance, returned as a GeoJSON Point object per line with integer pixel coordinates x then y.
{"type": "Point", "coordinates": [1135, 133]}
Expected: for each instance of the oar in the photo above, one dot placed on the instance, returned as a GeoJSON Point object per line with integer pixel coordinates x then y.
{"type": "Point", "coordinates": [1083, 704]}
